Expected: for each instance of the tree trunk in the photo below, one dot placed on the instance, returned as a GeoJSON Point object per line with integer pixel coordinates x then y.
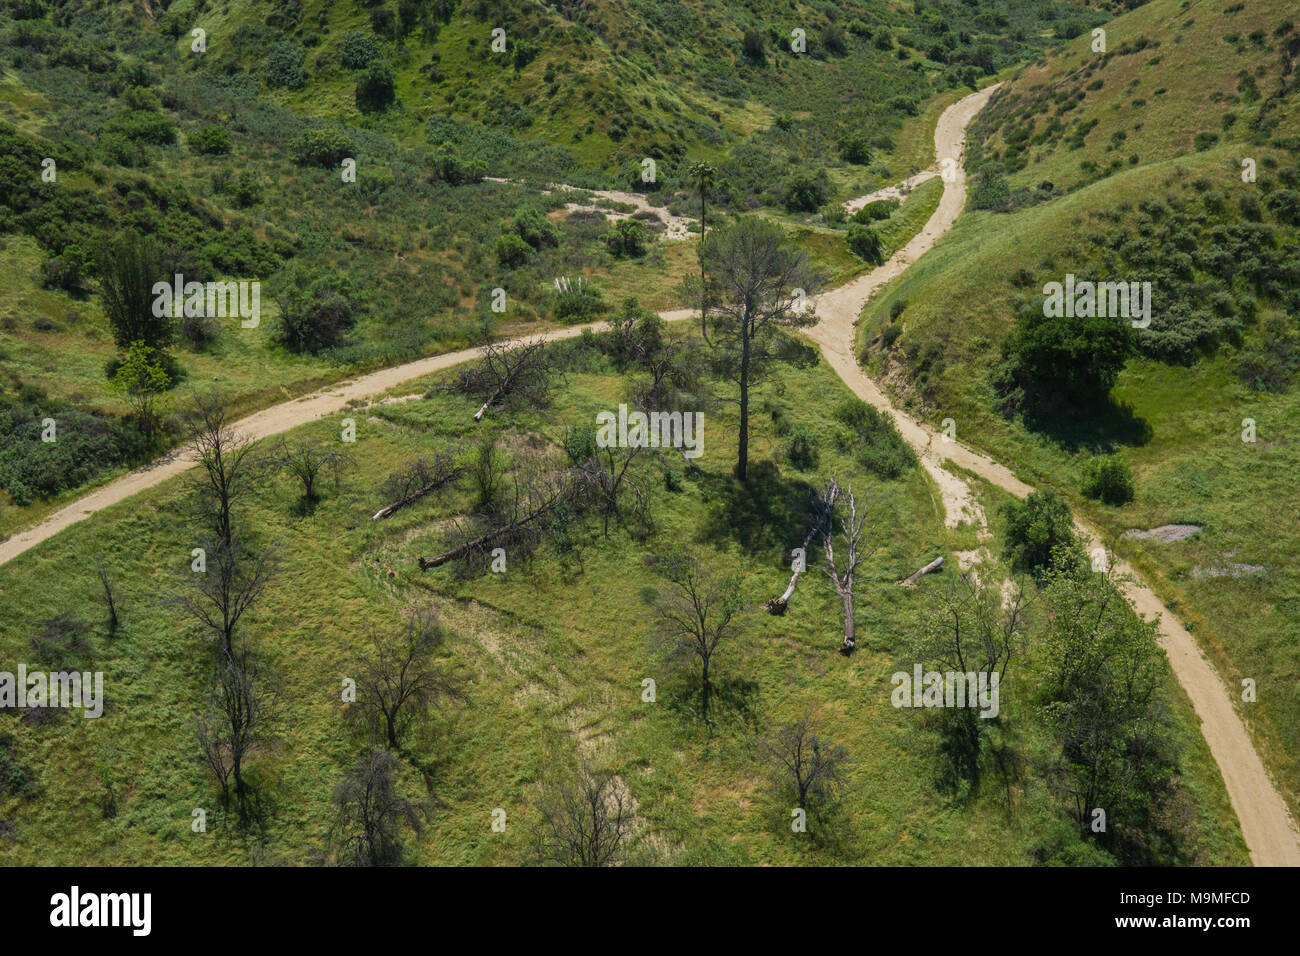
{"type": "Point", "coordinates": [415, 495]}
{"type": "Point", "coordinates": [849, 629]}
{"type": "Point", "coordinates": [463, 549]}
{"type": "Point", "coordinates": [932, 566]}
{"type": "Point", "coordinates": [742, 465]}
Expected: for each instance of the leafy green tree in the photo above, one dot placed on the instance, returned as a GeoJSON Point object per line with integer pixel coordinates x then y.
{"type": "Point", "coordinates": [142, 382]}
{"type": "Point", "coordinates": [375, 89]}
{"type": "Point", "coordinates": [283, 68]}
{"type": "Point", "coordinates": [865, 243]}
{"type": "Point", "coordinates": [1039, 535]}
{"type": "Point", "coordinates": [316, 308]}
{"type": "Point", "coordinates": [359, 49]}
{"type": "Point", "coordinates": [129, 267]}
{"type": "Point", "coordinates": [1061, 365]}
{"type": "Point", "coordinates": [626, 239]}
{"type": "Point", "coordinates": [1109, 479]}
{"type": "Point", "coordinates": [211, 141]}
{"type": "Point", "coordinates": [757, 284]}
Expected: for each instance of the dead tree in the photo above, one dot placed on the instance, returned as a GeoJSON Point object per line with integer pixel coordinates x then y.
{"type": "Point", "coordinates": [696, 617]}
{"type": "Point", "coordinates": [231, 582]}
{"type": "Point", "coordinates": [911, 579]}
{"type": "Point", "coordinates": [851, 529]}
{"type": "Point", "coordinates": [517, 524]}
{"type": "Point", "coordinates": [806, 766]}
{"type": "Point", "coordinates": [401, 681]}
{"type": "Point", "coordinates": [226, 464]}
{"type": "Point", "coordinates": [584, 822]}
{"type": "Point", "coordinates": [305, 460]}
{"type": "Point", "coordinates": [109, 586]}
{"type": "Point", "coordinates": [416, 480]}
{"type": "Point", "coordinates": [518, 372]}
{"type": "Point", "coordinates": [235, 723]}
{"type": "Point", "coordinates": [370, 814]}
{"type": "Point", "coordinates": [618, 492]}
{"type": "Point", "coordinates": [823, 508]}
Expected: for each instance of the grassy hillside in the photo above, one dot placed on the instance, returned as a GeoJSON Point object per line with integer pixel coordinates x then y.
{"type": "Point", "coordinates": [1222, 256]}
{"type": "Point", "coordinates": [555, 650]}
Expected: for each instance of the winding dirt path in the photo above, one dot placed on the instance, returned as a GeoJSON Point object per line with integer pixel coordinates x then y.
{"type": "Point", "coordinates": [1266, 825]}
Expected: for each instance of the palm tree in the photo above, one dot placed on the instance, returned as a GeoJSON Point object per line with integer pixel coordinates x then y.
{"type": "Point", "coordinates": [702, 177]}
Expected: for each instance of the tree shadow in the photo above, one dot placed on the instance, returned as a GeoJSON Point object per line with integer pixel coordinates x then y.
{"type": "Point", "coordinates": [1099, 429]}
{"type": "Point", "coordinates": [767, 513]}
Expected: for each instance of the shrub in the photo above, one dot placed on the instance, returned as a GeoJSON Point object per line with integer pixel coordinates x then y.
{"type": "Point", "coordinates": [1108, 479]}
{"type": "Point", "coordinates": [375, 90]}
{"type": "Point", "coordinates": [359, 49]}
{"type": "Point", "coordinates": [316, 308]}
{"type": "Point", "coordinates": [576, 302]}
{"type": "Point", "coordinates": [990, 189]}
{"type": "Point", "coordinates": [805, 190]}
{"type": "Point", "coordinates": [1269, 364]}
{"type": "Point", "coordinates": [856, 148]}
{"type": "Point", "coordinates": [87, 443]}
{"type": "Point", "coordinates": [801, 448]}
{"type": "Point", "coordinates": [875, 211]}
{"type": "Point", "coordinates": [327, 146]}
{"type": "Point", "coordinates": [626, 239]}
{"type": "Point", "coordinates": [283, 68]}
{"type": "Point", "coordinates": [211, 141]}
{"type": "Point", "coordinates": [875, 440]}
{"type": "Point", "coordinates": [1039, 534]}
{"type": "Point", "coordinates": [864, 242]}
{"type": "Point", "coordinates": [511, 250]}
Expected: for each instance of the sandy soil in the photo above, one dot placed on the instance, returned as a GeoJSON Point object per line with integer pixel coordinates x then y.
{"type": "Point", "coordinates": [1266, 825]}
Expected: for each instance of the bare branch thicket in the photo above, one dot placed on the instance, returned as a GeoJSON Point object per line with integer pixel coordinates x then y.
{"type": "Point", "coordinates": [370, 814]}
{"type": "Point", "coordinates": [696, 616]}
{"type": "Point", "coordinates": [236, 722]}
{"type": "Point", "coordinates": [233, 581]}
{"type": "Point", "coordinates": [823, 504]}
{"type": "Point", "coordinates": [538, 497]}
{"type": "Point", "coordinates": [402, 680]}
{"type": "Point", "coordinates": [508, 372]}
{"type": "Point", "coordinates": [617, 491]}
{"type": "Point", "coordinates": [805, 766]}
{"type": "Point", "coordinates": [585, 821]}
{"type": "Point", "coordinates": [844, 579]}
{"type": "Point", "coordinates": [415, 480]}
{"type": "Point", "coordinates": [305, 460]}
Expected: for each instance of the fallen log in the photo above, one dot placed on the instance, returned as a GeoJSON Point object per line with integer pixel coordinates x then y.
{"type": "Point", "coordinates": [417, 494]}
{"type": "Point", "coordinates": [932, 566]}
{"type": "Point", "coordinates": [485, 539]}
{"type": "Point", "coordinates": [778, 605]}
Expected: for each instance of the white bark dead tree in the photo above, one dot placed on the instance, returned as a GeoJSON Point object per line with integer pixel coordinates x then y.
{"type": "Point", "coordinates": [851, 529]}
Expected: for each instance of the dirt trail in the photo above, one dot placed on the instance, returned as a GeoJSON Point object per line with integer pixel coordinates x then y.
{"type": "Point", "coordinates": [1266, 825]}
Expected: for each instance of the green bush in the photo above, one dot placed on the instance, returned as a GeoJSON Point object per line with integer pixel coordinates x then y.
{"type": "Point", "coordinates": [801, 448]}
{"type": "Point", "coordinates": [875, 211]}
{"type": "Point", "coordinates": [1039, 534]}
{"type": "Point", "coordinates": [864, 242]}
{"type": "Point", "coordinates": [85, 444]}
{"type": "Point", "coordinates": [1108, 479]}
{"type": "Point", "coordinates": [316, 307]}
{"type": "Point", "coordinates": [856, 148]}
{"type": "Point", "coordinates": [375, 89]}
{"type": "Point", "coordinates": [359, 49]}
{"type": "Point", "coordinates": [626, 239]}
{"type": "Point", "coordinates": [326, 146]}
{"type": "Point", "coordinates": [578, 302]}
{"type": "Point", "coordinates": [874, 440]}
{"type": "Point", "coordinates": [211, 141]}
{"type": "Point", "coordinates": [512, 251]}
{"type": "Point", "coordinates": [283, 68]}
{"type": "Point", "coordinates": [535, 229]}
{"type": "Point", "coordinates": [805, 190]}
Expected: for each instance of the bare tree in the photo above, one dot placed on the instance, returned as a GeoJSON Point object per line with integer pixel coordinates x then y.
{"type": "Point", "coordinates": [695, 617]}
{"type": "Point", "coordinates": [233, 581]}
{"type": "Point", "coordinates": [756, 283]}
{"type": "Point", "coordinates": [401, 680]}
{"type": "Point", "coordinates": [843, 579]}
{"type": "Point", "coordinates": [235, 723]}
{"type": "Point", "coordinates": [109, 586]}
{"type": "Point", "coordinates": [519, 372]}
{"type": "Point", "coordinates": [415, 480]}
{"type": "Point", "coordinates": [305, 460]}
{"type": "Point", "coordinates": [805, 765]}
{"type": "Point", "coordinates": [370, 814]}
{"type": "Point", "coordinates": [584, 821]}
{"type": "Point", "coordinates": [226, 465]}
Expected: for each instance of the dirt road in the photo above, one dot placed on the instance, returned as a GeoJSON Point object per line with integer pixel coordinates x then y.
{"type": "Point", "coordinates": [1266, 825]}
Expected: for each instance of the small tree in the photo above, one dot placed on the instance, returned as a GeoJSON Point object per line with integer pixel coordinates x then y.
{"type": "Point", "coordinates": [305, 460]}
{"type": "Point", "coordinates": [108, 587]}
{"type": "Point", "coordinates": [370, 814]}
{"type": "Point", "coordinates": [1039, 533]}
{"type": "Point", "coordinates": [702, 177]}
{"type": "Point", "coordinates": [806, 767]}
{"type": "Point", "coordinates": [584, 822]}
{"type": "Point", "coordinates": [235, 723]}
{"type": "Point", "coordinates": [401, 681]}
{"type": "Point", "coordinates": [142, 382]}
{"type": "Point", "coordinates": [129, 267]}
{"type": "Point", "coordinates": [695, 617]}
